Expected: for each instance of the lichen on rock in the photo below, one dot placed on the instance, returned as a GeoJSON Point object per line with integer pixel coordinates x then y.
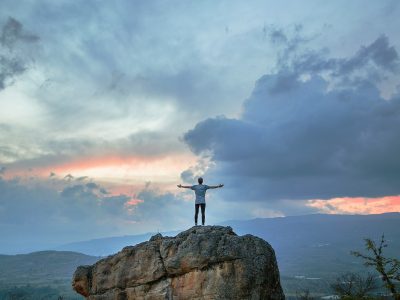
{"type": "Point", "coordinates": [204, 262]}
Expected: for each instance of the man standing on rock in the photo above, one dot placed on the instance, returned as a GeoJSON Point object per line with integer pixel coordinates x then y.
{"type": "Point", "coordinates": [200, 191]}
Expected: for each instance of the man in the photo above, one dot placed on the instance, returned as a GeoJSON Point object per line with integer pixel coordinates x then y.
{"type": "Point", "coordinates": [200, 191]}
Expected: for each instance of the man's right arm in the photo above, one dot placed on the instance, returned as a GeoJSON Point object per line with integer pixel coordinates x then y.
{"type": "Point", "coordinates": [184, 186]}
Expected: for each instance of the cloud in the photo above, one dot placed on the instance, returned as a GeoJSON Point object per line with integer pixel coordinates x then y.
{"type": "Point", "coordinates": [374, 62]}
{"type": "Point", "coordinates": [202, 165]}
{"type": "Point", "coordinates": [159, 210]}
{"type": "Point", "coordinates": [138, 83]}
{"type": "Point", "coordinates": [105, 89]}
{"type": "Point", "coordinates": [34, 215]}
{"type": "Point", "coordinates": [107, 92]}
{"type": "Point", "coordinates": [82, 178]}
{"type": "Point", "coordinates": [40, 214]}
{"type": "Point", "coordinates": [14, 51]}
{"type": "Point", "coordinates": [302, 137]}
{"type": "Point", "coordinates": [132, 86]}
{"type": "Point", "coordinates": [379, 52]}
{"type": "Point", "coordinates": [357, 205]}
{"type": "Point", "coordinates": [12, 33]}
{"type": "Point", "coordinates": [68, 177]}
{"type": "Point", "coordinates": [47, 152]}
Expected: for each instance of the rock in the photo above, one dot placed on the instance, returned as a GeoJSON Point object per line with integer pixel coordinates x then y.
{"type": "Point", "coordinates": [204, 262]}
{"type": "Point", "coordinates": [82, 280]}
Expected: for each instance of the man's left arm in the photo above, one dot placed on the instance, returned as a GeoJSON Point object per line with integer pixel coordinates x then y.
{"type": "Point", "coordinates": [215, 186]}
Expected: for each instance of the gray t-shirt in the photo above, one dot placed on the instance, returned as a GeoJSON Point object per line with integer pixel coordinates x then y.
{"type": "Point", "coordinates": [200, 191]}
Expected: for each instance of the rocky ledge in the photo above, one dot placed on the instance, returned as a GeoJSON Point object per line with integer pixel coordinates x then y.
{"type": "Point", "coordinates": [209, 262]}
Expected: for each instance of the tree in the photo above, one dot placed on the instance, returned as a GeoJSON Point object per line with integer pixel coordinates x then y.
{"type": "Point", "coordinates": [388, 268]}
{"type": "Point", "coordinates": [354, 286]}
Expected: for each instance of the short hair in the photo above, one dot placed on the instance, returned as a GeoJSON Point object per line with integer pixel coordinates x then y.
{"type": "Point", "coordinates": [200, 180]}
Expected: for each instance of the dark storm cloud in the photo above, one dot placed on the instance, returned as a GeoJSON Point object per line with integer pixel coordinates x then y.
{"type": "Point", "coordinates": [14, 57]}
{"type": "Point", "coordinates": [303, 139]}
{"type": "Point", "coordinates": [289, 41]}
{"type": "Point", "coordinates": [13, 32]}
{"type": "Point", "coordinates": [375, 60]}
{"type": "Point", "coordinates": [78, 191]}
{"type": "Point", "coordinates": [372, 62]}
{"type": "Point", "coordinates": [379, 52]}
{"type": "Point", "coordinates": [277, 35]}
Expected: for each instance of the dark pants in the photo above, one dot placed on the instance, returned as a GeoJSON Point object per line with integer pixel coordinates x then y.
{"type": "Point", "coordinates": [203, 212]}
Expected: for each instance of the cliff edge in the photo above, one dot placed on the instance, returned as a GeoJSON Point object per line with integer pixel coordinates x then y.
{"type": "Point", "coordinates": [208, 262]}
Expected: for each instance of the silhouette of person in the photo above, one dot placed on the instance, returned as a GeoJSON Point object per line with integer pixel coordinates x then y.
{"type": "Point", "coordinates": [200, 191]}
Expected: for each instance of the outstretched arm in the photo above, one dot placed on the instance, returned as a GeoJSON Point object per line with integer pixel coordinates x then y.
{"type": "Point", "coordinates": [215, 186]}
{"type": "Point", "coordinates": [184, 186]}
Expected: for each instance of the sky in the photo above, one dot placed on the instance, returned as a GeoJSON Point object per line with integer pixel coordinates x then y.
{"type": "Point", "coordinates": [105, 106]}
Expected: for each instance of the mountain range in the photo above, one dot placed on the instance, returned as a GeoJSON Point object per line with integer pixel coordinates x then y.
{"type": "Point", "coordinates": [312, 250]}
{"type": "Point", "coordinates": [297, 240]}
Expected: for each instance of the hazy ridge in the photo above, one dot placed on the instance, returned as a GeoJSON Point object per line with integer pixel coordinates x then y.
{"type": "Point", "coordinates": [312, 250]}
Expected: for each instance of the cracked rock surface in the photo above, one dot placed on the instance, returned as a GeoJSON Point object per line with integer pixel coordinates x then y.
{"type": "Point", "coordinates": [208, 262]}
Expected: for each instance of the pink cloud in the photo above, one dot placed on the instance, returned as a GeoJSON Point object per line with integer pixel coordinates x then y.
{"type": "Point", "coordinates": [357, 205]}
{"type": "Point", "coordinates": [133, 202]}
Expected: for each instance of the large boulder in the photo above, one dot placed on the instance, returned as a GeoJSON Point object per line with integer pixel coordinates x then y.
{"type": "Point", "coordinates": [209, 262]}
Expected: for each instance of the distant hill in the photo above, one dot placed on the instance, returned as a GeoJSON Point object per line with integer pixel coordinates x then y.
{"type": "Point", "coordinates": [46, 274]}
{"type": "Point", "coordinates": [290, 236]}
{"type": "Point", "coordinates": [35, 266]}
{"type": "Point", "coordinates": [311, 250]}
{"type": "Point", "coordinates": [314, 244]}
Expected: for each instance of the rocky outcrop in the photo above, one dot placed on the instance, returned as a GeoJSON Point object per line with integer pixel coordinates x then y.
{"type": "Point", "coordinates": [209, 262]}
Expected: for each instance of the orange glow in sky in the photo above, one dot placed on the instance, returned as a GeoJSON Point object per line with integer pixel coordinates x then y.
{"type": "Point", "coordinates": [357, 205]}
{"type": "Point", "coordinates": [114, 169]}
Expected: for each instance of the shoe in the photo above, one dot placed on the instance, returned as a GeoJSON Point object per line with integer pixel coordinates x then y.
{"type": "Point", "coordinates": [195, 224]}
